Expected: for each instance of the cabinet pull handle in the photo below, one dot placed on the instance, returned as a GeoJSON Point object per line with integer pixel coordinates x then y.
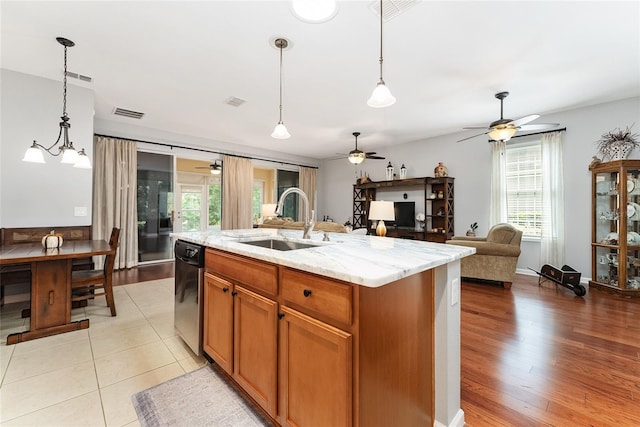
{"type": "Point", "coordinates": [225, 289]}
{"type": "Point", "coordinates": [307, 293]}
{"type": "Point", "coordinates": [51, 297]}
{"type": "Point", "coordinates": [280, 315]}
{"type": "Point", "coordinates": [234, 293]}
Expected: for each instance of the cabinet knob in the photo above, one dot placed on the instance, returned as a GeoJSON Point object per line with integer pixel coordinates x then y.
{"type": "Point", "coordinates": [225, 289]}
{"type": "Point", "coordinates": [306, 293]}
{"type": "Point", "coordinates": [234, 293]}
{"type": "Point", "coordinates": [280, 315]}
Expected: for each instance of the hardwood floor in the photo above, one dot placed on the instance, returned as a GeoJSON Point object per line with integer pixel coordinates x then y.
{"type": "Point", "coordinates": [535, 355]}
{"type": "Point", "coordinates": [541, 356]}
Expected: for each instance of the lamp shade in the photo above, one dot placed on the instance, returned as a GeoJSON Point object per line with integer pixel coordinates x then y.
{"type": "Point", "coordinates": [280, 132]}
{"type": "Point", "coordinates": [83, 161]}
{"type": "Point", "coordinates": [381, 210]}
{"type": "Point", "coordinates": [381, 97]}
{"type": "Point", "coordinates": [69, 156]}
{"type": "Point", "coordinates": [502, 133]}
{"type": "Point", "coordinates": [268, 210]}
{"type": "Point", "coordinates": [33, 155]}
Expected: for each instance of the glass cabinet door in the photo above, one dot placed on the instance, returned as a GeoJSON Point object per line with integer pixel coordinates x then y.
{"type": "Point", "coordinates": [633, 229]}
{"type": "Point", "coordinates": [607, 228]}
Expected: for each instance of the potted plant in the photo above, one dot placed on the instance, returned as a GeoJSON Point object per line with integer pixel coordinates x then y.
{"type": "Point", "coordinates": [618, 143]}
{"type": "Point", "coordinates": [472, 229]}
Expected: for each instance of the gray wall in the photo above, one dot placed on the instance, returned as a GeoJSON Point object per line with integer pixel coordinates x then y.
{"type": "Point", "coordinates": [31, 194]}
{"type": "Point", "coordinates": [470, 163]}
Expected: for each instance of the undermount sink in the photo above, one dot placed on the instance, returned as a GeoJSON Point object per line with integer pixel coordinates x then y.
{"type": "Point", "coordinates": [280, 245]}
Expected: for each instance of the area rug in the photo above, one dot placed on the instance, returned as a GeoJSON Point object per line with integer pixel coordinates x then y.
{"type": "Point", "coordinates": [204, 397]}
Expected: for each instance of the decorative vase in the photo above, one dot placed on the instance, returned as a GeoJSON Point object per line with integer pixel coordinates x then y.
{"type": "Point", "coordinates": [471, 233]}
{"type": "Point", "coordinates": [52, 240]}
{"type": "Point", "coordinates": [440, 170]}
{"type": "Point", "coordinates": [620, 150]}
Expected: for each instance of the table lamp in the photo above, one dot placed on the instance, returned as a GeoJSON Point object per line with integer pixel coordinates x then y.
{"type": "Point", "coordinates": [381, 210]}
{"type": "Point", "coordinates": [268, 210]}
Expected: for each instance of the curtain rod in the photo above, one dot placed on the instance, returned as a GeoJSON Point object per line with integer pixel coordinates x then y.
{"type": "Point", "coordinates": [172, 146]}
{"type": "Point", "coordinates": [540, 133]}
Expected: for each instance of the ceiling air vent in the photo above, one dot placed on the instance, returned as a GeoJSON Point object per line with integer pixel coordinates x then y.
{"type": "Point", "coordinates": [234, 102]}
{"type": "Point", "coordinates": [392, 8]}
{"type": "Point", "coordinates": [127, 113]}
{"type": "Point", "coordinates": [79, 77]}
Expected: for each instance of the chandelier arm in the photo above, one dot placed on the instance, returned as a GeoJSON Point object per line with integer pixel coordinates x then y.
{"type": "Point", "coordinates": [48, 149]}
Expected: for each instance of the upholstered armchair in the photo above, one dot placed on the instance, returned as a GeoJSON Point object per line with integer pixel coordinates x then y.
{"type": "Point", "coordinates": [496, 255]}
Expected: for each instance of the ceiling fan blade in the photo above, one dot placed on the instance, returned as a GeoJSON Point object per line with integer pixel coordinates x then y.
{"type": "Point", "coordinates": [473, 136]}
{"type": "Point", "coordinates": [539, 126]}
{"type": "Point", "coordinates": [202, 167]}
{"type": "Point", "coordinates": [374, 157]}
{"type": "Point", "coordinates": [475, 127]}
{"type": "Point", "coordinates": [524, 120]}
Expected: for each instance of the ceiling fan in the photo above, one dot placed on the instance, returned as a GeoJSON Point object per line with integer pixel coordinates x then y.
{"type": "Point", "coordinates": [215, 167]}
{"type": "Point", "coordinates": [503, 129]}
{"type": "Point", "coordinates": [357, 156]}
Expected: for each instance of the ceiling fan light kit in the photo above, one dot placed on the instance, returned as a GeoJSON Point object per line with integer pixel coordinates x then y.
{"type": "Point", "coordinates": [381, 96]}
{"type": "Point", "coordinates": [504, 129]}
{"type": "Point", "coordinates": [69, 154]}
{"type": "Point", "coordinates": [356, 156]}
{"type": "Point", "coordinates": [280, 131]}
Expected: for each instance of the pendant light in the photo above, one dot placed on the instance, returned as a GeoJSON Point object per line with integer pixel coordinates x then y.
{"type": "Point", "coordinates": [69, 154]}
{"type": "Point", "coordinates": [280, 131]}
{"type": "Point", "coordinates": [381, 96]}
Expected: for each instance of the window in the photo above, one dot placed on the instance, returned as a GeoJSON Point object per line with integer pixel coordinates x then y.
{"type": "Point", "coordinates": [258, 199]}
{"type": "Point", "coordinates": [524, 186]}
{"type": "Point", "coordinates": [215, 205]}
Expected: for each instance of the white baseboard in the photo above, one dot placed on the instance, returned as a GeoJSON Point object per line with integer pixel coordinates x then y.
{"type": "Point", "coordinates": [457, 421]}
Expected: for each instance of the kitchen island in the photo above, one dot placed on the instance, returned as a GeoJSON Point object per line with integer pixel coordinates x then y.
{"type": "Point", "coordinates": [354, 331]}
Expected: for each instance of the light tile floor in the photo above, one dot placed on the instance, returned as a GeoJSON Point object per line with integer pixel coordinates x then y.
{"type": "Point", "coordinates": [87, 377]}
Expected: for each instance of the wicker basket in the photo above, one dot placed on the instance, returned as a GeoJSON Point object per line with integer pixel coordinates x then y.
{"type": "Point", "coordinates": [619, 150]}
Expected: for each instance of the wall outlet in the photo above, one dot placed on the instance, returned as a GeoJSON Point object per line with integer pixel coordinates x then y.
{"type": "Point", "coordinates": [80, 211]}
{"type": "Point", "coordinates": [455, 291]}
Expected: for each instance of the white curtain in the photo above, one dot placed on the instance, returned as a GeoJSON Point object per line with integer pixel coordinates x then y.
{"type": "Point", "coordinates": [498, 205]}
{"type": "Point", "coordinates": [237, 193]}
{"type": "Point", "coordinates": [552, 238]}
{"type": "Point", "coordinates": [114, 197]}
{"type": "Point", "coordinates": [307, 178]}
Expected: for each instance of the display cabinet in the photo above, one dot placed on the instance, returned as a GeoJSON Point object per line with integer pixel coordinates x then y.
{"type": "Point", "coordinates": [615, 234]}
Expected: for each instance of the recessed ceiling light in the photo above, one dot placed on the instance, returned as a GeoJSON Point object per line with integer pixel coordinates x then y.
{"type": "Point", "coordinates": [314, 11]}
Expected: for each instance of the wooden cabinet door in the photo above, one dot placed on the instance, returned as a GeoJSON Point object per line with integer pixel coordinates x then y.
{"type": "Point", "coordinates": [315, 372]}
{"type": "Point", "coordinates": [218, 321]}
{"type": "Point", "coordinates": [255, 347]}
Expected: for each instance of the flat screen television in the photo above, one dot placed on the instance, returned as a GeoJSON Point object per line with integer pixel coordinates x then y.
{"type": "Point", "coordinates": [405, 214]}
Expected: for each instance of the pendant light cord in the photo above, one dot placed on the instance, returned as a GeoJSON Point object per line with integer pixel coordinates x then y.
{"type": "Point", "coordinates": [64, 85]}
{"type": "Point", "coordinates": [280, 121]}
{"type": "Point", "coordinates": [381, 41]}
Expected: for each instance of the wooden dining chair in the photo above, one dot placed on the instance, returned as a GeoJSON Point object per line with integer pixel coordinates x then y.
{"type": "Point", "coordinates": [84, 283]}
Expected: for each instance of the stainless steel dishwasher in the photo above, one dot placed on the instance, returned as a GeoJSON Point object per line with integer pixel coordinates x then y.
{"type": "Point", "coordinates": [188, 293]}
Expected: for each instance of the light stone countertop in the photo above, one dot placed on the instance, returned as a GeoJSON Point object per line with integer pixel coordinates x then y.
{"type": "Point", "coordinates": [364, 260]}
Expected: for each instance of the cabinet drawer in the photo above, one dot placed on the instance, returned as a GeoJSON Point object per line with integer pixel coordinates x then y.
{"type": "Point", "coordinates": [254, 274]}
{"type": "Point", "coordinates": [317, 296]}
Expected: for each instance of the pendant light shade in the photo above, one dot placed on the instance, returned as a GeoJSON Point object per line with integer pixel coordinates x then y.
{"type": "Point", "coordinates": [69, 154]}
{"type": "Point", "coordinates": [280, 131]}
{"type": "Point", "coordinates": [381, 96]}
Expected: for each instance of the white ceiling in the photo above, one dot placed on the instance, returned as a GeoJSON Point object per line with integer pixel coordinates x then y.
{"type": "Point", "coordinates": [443, 60]}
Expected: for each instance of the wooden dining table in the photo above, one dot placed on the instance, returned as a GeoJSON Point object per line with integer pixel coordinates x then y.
{"type": "Point", "coordinates": [50, 284]}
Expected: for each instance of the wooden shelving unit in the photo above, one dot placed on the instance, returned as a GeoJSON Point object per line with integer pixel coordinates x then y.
{"type": "Point", "coordinates": [438, 200]}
